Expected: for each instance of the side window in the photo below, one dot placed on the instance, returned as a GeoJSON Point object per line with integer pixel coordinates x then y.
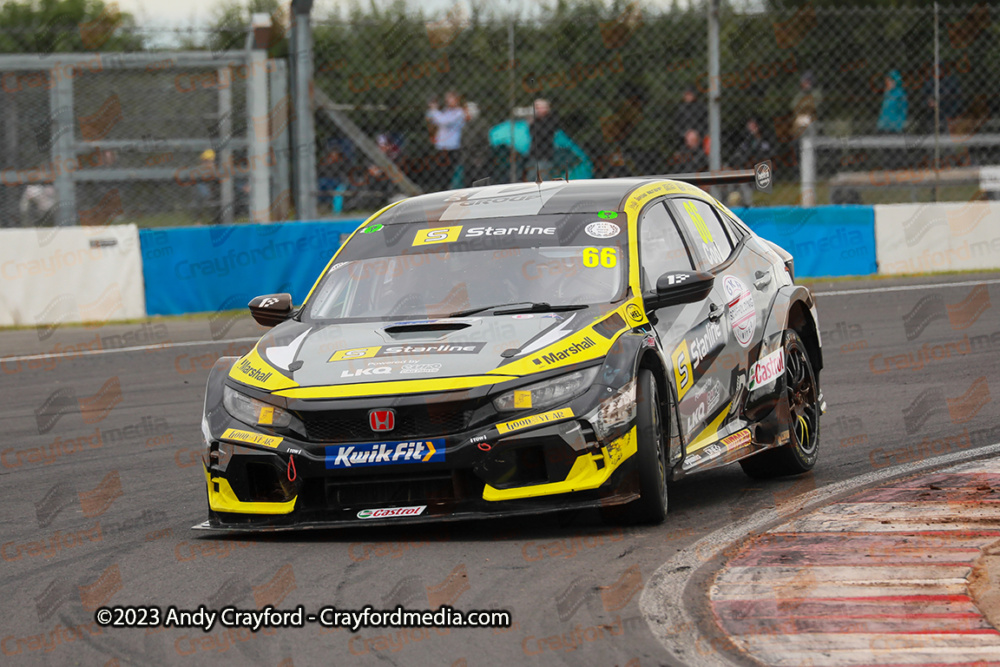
{"type": "Point", "coordinates": [661, 248]}
{"type": "Point", "coordinates": [735, 228]}
{"type": "Point", "coordinates": [712, 244]}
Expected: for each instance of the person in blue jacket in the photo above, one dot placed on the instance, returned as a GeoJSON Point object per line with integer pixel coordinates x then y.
{"type": "Point", "coordinates": [892, 118]}
{"type": "Point", "coordinates": [894, 104]}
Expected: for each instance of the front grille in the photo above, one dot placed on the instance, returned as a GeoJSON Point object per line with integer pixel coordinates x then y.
{"type": "Point", "coordinates": [390, 489]}
{"type": "Point", "coordinates": [414, 421]}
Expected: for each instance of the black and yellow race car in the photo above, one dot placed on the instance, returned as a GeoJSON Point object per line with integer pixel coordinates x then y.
{"type": "Point", "coordinates": [518, 349]}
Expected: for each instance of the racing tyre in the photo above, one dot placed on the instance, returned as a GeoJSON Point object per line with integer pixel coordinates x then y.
{"type": "Point", "coordinates": [799, 455]}
{"type": "Point", "coordinates": [652, 455]}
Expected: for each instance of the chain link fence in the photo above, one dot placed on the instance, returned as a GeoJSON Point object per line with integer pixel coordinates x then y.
{"type": "Point", "coordinates": [844, 101]}
{"type": "Point", "coordinates": [151, 137]}
{"type": "Point", "coordinates": [627, 89]}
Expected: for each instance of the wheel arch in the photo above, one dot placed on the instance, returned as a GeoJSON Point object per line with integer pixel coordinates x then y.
{"type": "Point", "coordinates": [654, 362]}
{"type": "Point", "coordinates": [795, 308]}
{"type": "Point", "coordinates": [801, 320]}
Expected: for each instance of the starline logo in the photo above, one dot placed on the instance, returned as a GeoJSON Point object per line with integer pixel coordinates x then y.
{"type": "Point", "coordinates": [390, 512]}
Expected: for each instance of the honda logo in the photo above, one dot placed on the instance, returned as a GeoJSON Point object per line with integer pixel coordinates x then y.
{"type": "Point", "coordinates": [382, 420]}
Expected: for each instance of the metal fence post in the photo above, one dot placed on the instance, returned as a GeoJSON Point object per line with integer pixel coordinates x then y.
{"type": "Point", "coordinates": [937, 102]}
{"type": "Point", "coordinates": [714, 116]}
{"type": "Point", "coordinates": [281, 183]}
{"type": "Point", "coordinates": [304, 141]}
{"type": "Point", "coordinates": [511, 79]}
{"type": "Point", "coordinates": [258, 129]}
{"type": "Point", "coordinates": [225, 156]}
{"type": "Point", "coordinates": [64, 161]}
{"type": "Point", "coordinates": [807, 166]}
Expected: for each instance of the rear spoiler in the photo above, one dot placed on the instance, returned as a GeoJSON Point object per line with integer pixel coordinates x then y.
{"type": "Point", "coordinates": [760, 175]}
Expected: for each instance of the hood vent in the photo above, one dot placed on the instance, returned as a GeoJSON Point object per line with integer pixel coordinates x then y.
{"type": "Point", "coordinates": [421, 329]}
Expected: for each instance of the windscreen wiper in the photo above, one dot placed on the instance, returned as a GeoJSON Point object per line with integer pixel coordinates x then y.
{"type": "Point", "coordinates": [521, 307]}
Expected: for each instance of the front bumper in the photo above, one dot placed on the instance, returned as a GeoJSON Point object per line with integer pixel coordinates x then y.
{"type": "Point", "coordinates": [257, 481]}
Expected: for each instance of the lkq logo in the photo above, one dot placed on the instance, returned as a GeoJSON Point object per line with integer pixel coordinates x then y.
{"type": "Point", "coordinates": [361, 372]}
{"type": "Point", "coordinates": [382, 420]}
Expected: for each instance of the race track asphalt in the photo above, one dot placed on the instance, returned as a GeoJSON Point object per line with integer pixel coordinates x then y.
{"type": "Point", "coordinates": [101, 482]}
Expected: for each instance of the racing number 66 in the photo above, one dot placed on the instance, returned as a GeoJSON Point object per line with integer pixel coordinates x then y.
{"type": "Point", "coordinates": [607, 257]}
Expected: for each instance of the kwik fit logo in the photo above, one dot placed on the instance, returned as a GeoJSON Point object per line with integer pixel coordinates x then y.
{"type": "Point", "coordinates": [385, 453]}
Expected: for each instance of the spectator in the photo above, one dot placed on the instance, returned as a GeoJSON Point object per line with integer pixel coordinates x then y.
{"type": "Point", "coordinates": [691, 115]}
{"type": "Point", "coordinates": [691, 158]}
{"type": "Point", "coordinates": [207, 187]}
{"type": "Point", "coordinates": [477, 154]}
{"type": "Point", "coordinates": [951, 99]}
{"type": "Point", "coordinates": [378, 183]}
{"type": "Point", "coordinates": [754, 148]}
{"type": "Point", "coordinates": [892, 118]}
{"type": "Point", "coordinates": [38, 202]}
{"type": "Point", "coordinates": [543, 137]}
{"type": "Point", "coordinates": [448, 124]}
{"type": "Point", "coordinates": [332, 171]}
{"type": "Point", "coordinates": [805, 104]}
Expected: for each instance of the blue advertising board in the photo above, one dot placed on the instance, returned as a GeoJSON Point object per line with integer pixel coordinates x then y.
{"type": "Point", "coordinates": [222, 267]}
{"type": "Point", "coordinates": [825, 240]}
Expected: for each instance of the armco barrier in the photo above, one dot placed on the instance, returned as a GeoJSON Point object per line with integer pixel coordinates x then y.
{"type": "Point", "coordinates": [222, 267]}
{"type": "Point", "coordinates": [825, 240]}
{"type": "Point", "coordinates": [918, 238]}
{"type": "Point", "coordinates": [59, 275]}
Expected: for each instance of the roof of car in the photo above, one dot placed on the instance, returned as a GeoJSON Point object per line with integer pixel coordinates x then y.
{"type": "Point", "coordinates": [516, 200]}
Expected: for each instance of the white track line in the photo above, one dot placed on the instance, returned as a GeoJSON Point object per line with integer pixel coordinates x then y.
{"type": "Point", "coordinates": [134, 348]}
{"type": "Point", "coordinates": [905, 288]}
{"type": "Point", "coordinates": [662, 600]}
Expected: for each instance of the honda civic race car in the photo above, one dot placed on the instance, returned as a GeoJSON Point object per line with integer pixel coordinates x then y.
{"type": "Point", "coordinates": [518, 349]}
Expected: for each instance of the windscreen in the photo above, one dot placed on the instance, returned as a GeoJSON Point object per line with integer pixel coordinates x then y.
{"type": "Point", "coordinates": [419, 270]}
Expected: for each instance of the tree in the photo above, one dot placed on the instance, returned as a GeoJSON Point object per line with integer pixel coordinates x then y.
{"type": "Point", "coordinates": [51, 26]}
{"type": "Point", "coordinates": [232, 21]}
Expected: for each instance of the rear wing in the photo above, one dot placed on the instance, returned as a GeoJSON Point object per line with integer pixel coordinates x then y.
{"type": "Point", "coordinates": [760, 175]}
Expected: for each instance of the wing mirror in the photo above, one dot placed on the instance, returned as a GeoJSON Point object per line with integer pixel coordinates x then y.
{"type": "Point", "coordinates": [271, 309]}
{"type": "Point", "coordinates": [679, 287]}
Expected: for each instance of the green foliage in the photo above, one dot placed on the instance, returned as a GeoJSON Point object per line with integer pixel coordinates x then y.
{"type": "Point", "coordinates": [616, 78]}
{"type": "Point", "coordinates": [232, 21]}
{"type": "Point", "coordinates": [53, 26]}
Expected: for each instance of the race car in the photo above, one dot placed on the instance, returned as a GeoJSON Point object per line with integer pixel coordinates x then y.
{"type": "Point", "coordinates": [519, 349]}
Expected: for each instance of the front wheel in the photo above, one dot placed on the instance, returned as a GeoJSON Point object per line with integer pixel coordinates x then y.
{"type": "Point", "coordinates": [651, 456]}
{"type": "Point", "coordinates": [802, 393]}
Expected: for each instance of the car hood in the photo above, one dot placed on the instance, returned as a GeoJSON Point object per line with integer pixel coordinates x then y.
{"type": "Point", "coordinates": [302, 354]}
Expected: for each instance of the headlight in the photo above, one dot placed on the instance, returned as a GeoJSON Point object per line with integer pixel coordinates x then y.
{"type": "Point", "coordinates": [549, 392]}
{"type": "Point", "coordinates": [617, 410]}
{"type": "Point", "coordinates": [252, 411]}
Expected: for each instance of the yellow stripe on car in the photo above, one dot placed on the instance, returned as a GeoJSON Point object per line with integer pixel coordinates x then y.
{"type": "Point", "coordinates": [585, 474]}
{"type": "Point", "coordinates": [334, 258]}
{"type": "Point", "coordinates": [252, 370]}
{"type": "Point", "coordinates": [394, 387]}
{"type": "Point", "coordinates": [710, 433]}
{"type": "Point", "coordinates": [224, 499]}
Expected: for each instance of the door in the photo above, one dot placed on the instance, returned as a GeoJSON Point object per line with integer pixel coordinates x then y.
{"type": "Point", "coordinates": [692, 335]}
{"type": "Point", "coordinates": [715, 351]}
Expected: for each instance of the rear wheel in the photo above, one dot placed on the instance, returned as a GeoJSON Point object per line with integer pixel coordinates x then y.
{"type": "Point", "coordinates": [651, 456]}
{"type": "Point", "coordinates": [802, 392]}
